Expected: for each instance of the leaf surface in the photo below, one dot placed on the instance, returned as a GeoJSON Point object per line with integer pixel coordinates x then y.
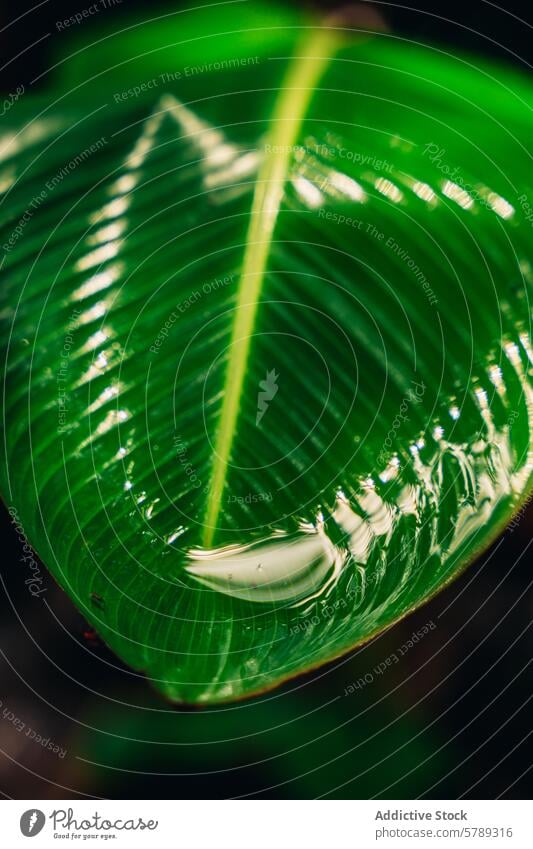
{"type": "Point", "coordinates": [267, 358]}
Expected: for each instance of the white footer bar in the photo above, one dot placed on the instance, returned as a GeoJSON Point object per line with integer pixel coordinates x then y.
{"type": "Point", "coordinates": [267, 824]}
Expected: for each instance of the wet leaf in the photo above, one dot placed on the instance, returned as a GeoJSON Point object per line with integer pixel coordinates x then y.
{"type": "Point", "coordinates": [266, 337]}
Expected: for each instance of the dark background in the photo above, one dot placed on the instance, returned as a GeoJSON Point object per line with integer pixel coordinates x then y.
{"type": "Point", "coordinates": [498, 30]}
{"type": "Point", "coordinates": [452, 719]}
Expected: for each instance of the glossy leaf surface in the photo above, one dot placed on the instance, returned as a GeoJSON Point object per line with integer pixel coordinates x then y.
{"type": "Point", "coordinates": [267, 338]}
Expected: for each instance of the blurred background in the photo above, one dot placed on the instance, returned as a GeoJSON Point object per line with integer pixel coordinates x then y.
{"type": "Point", "coordinates": [450, 719]}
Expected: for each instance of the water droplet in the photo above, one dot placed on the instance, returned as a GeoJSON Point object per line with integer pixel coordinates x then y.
{"type": "Point", "coordinates": [282, 568]}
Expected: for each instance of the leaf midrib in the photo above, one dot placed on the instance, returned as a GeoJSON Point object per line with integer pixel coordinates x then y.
{"type": "Point", "coordinates": [290, 108]}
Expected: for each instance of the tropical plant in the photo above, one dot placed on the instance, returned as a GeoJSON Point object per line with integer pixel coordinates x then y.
{"type": "Point", "coordinates": [267, 335]}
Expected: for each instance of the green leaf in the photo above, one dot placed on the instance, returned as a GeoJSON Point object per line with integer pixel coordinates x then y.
{"type": "Point", "coordinates": [267, 358]}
